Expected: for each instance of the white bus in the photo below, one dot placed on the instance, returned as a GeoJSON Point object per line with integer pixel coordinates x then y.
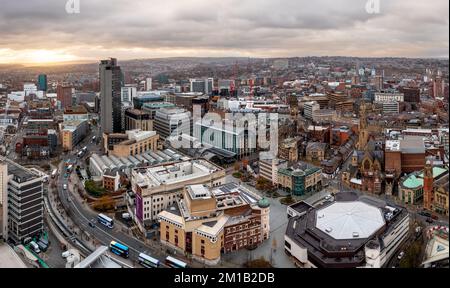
{"type": "Point", "coordinates": [175, 263]}
{"type": "Point", "coordinates": [148, 261]}
{"type": "Point", "coordinates": [105, 220]}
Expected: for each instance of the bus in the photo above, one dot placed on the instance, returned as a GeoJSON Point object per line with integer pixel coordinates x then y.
{"type": "Point", "coordinates": [175, 263]}
{"type": "Point", "coordinates": [105, 220]}
{"type": "Point", "coordinates": [54, 173]}
{"type": "Point", "coordinates": [148, 261]}
{"type": "Point", "coordinates": [119, 249]}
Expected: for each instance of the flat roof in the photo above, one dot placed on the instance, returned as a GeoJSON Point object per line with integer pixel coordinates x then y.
{"type": "Point", "coordinates": [9, 258]}
{"type": "Point", "coordinates": [349, 220]}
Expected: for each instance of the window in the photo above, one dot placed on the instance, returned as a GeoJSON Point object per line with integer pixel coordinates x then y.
{"type": "Point", "coordinates": [167, 235]}
{"type": "Point", "coordinates": [176, 240]}
{"type": "Point", "coordinates": [202, 250]}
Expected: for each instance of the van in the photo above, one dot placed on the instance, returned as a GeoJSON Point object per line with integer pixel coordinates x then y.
{"type": "Point", "coordinates": [42, 246]}
{"type": "Point", "coordinates": [65, 254]}
{"type": "Point", "coordinates": [35, 247]}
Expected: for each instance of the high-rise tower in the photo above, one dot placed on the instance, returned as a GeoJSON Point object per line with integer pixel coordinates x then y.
{"type": "Point", "coordinates": [110, 96]}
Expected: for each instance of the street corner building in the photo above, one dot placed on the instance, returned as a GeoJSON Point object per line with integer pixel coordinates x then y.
{"type": "Point", "coordinates": [206, 222]}
{"type": "Point", "coordinates": [354, 231]}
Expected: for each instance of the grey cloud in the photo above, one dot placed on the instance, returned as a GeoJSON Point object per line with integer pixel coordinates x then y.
{"type": "Point", "coordinates": [291, 27]}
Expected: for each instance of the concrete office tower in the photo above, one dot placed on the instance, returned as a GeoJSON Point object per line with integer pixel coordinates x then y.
{"type": "Point", "coordinates": [25, 216]}
{"type": "Point", "coordinates": [148, 84]}
{"type": "Point", "coordinates": [110, 96]}
{"type": "Point", "coordinates": [3, 201]}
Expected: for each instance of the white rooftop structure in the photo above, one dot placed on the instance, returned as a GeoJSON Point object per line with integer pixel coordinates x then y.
{"type": "Point", "coordinates": [392, 145]}
{"type": "Point", "coordinates": [139, 135]}
{"type": "Point", "coordinates": [349, 220]}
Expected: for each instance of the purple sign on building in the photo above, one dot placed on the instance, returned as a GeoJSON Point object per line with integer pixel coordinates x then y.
{"type": "Point", "coordinates": [139, 207]}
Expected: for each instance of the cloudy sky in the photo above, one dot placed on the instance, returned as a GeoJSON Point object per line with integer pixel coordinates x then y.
{"type": "Point", "coordinates": [42, 30]}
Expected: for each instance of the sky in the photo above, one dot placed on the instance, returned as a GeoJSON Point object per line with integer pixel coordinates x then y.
{"type": "Point", "coordinates": [42, 31]}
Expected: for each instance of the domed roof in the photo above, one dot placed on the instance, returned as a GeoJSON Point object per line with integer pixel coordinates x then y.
{"type": "Point", "coordinates": [263, 203]}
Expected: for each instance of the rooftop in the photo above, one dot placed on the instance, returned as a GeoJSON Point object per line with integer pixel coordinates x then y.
{"type": "Point", "coordinates": [349, 220]}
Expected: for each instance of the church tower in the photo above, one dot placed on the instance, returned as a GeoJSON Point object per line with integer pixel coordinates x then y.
{"type": "Point", "coordinates": [428, 186]}
{"type": "Point", "coordinates": [363, 133]}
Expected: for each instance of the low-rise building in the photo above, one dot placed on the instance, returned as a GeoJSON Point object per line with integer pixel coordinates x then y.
{"type": "Point", "coordinates": [133, 142]}
{"type": "Point", "coordinates": [351, 232]}
{"type": "Point", "coordinates": [288, 150]}
{"type": "Point", "coordinates": [72, 133]}
{"type": "Point", "coordinates": [268, 168]}
{"type": "Point", "coordinates": [156, 188]}
{"type": "Point", "coordinates": [315, 151]}
{"type": "Point", "coordinates": [206, 222]}
{"type": "Point", "coordinates": [411, 187]}
{"type": "Point", "coordinates": [300, 181]}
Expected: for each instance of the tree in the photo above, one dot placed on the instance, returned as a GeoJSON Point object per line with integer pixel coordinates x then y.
{"type": "Point", "coordinates": [104, 203]}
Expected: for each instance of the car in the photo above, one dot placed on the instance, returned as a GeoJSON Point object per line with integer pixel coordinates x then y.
{"type": "Point", "coordinates": [328, 197]}
{"type": "Point", "coordinates": [42, 246]}
{"type": "Point", "coordinates": [400, 256]}
{"type": "Point", "coordinates": [91, 223]}
{"type": "Point", "coordinates": [429, 220]}
{"type": "Point", "coordinates": [435, 217]}
{"type": "Point", "coordinates": [66, 175]}
{"type": "Point", "coordinates": [424, 213]}
{"type": "Point", "coordinates": [65, 186]}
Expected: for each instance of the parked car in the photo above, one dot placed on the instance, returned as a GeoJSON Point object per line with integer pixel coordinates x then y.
{"type": "Point", "coordinates": [400, 256]}
{"type": "Point", "coordinates": [34, 246]}
{"type": "Point", "coordinates": [42, 246]}
{"type": "Point", "coordinates": [429, 220]}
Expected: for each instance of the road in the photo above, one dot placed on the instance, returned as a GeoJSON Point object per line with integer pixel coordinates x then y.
{"type": "Point", "coordinates": [81, 215]}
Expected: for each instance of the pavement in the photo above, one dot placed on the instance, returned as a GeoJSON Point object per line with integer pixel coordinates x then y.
{"type": "Point", "coordinates": [80, 214]}
{"type": "Point", "coordinates": [272, 249]}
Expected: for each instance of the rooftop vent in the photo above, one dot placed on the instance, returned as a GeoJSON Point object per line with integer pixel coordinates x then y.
{"type": "Point", "coordinates": [355, 234]}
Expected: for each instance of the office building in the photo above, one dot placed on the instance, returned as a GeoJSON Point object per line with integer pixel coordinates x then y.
{"type": "Point", "coordinates": [389, 97]}
{"type": "Point", "coordinates": [24, 200]}
{"type": "Point", "coordinates": [391, 108]}
{"type": "Point", "coordinates": [156, 188]}
{"type": "Point", "coordinates": [72, 133]}
{"type": "Point", "coordinates": [64, 95]}
{"type": "Point", "coordinates": [172, 121]}
{"type": "Point", "coordinates": [350, 232]}
{"type": "Point", "coordinates": [135, 142]}
{"type": "Point", "coordinates": [202, 85]}
{"type": "Point", "coordinates": [138, 119]}
{"type": "Point", "coordinates": [147, 97]}
{"type": "Point", "coordinates": [128, 93]}
{"type": "Point", "coordinates": [300, 180]}
{"type": "Point", "coordinates": [42, 82]}
{"type": "Point", "coordinates": [148, 84]}
{"type": "Point", "coordinates": [268, 168]}
{"type": "Point", "coordinates": [152, 107]}
{"type": "Point", "coordinates": [206, 222]}
{"type": "Point", "coordinates": [309, 108]}
{"type": "Point", "coordinates": [110, 96]}
{"type": "Point", "coordinates": [75, 113]}
{"type": "Point", "coordinates": [3, 201]}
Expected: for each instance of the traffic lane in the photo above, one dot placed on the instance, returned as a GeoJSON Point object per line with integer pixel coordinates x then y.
{"type": "Point", "coordinates": [82, 218]}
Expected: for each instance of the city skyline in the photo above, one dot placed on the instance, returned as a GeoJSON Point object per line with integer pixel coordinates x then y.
{"type": "Point", "coordinates": [147, 29]}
